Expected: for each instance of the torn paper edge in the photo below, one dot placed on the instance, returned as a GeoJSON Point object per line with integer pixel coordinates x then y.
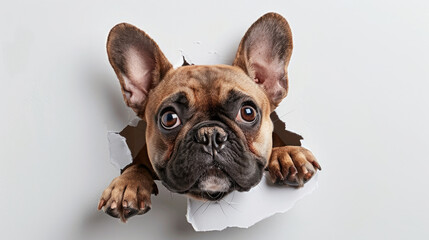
{"type": "Point", "coordinates": [183, 58]}
{"type": "Point", "coordinates": [120, 154]}
{"type": "Point", "coordinates": [134, 121]}
{"type": "Point", "coordinates": [218, 218]}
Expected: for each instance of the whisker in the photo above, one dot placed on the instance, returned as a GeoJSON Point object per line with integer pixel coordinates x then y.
{"type": "Point", "coordinates": [279, 118]}
{"type": "Point", "coordinates": [231, 205]}
{"type": "Point", "coordinates": [230, 201]}
{"type": "Point", "coordinates": [235, 203]}
{"type": "Point", "coordinates": [198, 208]}
{"type": "Point", "coordinates": [234, 187]}
{"type": "Point", "coordinates": [220, 205]}
{"type": "Point", "coordinates": [207, 207]}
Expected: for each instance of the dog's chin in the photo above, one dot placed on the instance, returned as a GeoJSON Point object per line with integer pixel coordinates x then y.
{"type": "Point", "coordinates": [213, 185]}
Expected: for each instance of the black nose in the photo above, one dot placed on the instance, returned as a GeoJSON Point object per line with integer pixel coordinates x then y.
{"type": "Point", "coordinates": [213, 138]}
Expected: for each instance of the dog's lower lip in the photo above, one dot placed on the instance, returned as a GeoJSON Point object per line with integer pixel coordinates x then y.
{"type": "Point", "coordinates": [214, 195]}
{"type": "Point", "coordinates": [210, 196]}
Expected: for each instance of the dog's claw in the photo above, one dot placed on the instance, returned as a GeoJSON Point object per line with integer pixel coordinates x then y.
{"type": "Point", "coordinates": [304, 170]}
{"type": "Point", "coordinates": [154, 189]}
{"type": "Point", "coordinates": [113, 205]}
{"type": "Point", "coordinates": [292, 165]}
{"type": "Point", "coordinates": [316, 164]}
{"type": "Point", "coordinates": [101, 204]}
{"type": "Point", "coordinates": [142, 205]}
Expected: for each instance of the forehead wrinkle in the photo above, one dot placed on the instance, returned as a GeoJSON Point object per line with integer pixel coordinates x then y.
{"type": "Point", "coordinates": [203, 90]}
{"type": "Point", "coordinates": [183, 89]}
{"type": "Point", "coordinates": [209, 85]}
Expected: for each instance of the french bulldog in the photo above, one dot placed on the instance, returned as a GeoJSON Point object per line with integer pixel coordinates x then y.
{"type": "Point", "coordinates": [209, 130]}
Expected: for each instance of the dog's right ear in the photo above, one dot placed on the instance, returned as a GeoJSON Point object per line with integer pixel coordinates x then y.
{"type": "Point", "coordinates": [138, 62]}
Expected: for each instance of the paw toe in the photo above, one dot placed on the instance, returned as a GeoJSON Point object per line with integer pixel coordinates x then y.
{"type": "Point", "coordinates": [292, 166]}
{"type": "Point", "coordinates": [127, 196]}
{"type": "Point", "coordinates": [113, 210]}
{"type": "Point", "coordinates": [129, 212]}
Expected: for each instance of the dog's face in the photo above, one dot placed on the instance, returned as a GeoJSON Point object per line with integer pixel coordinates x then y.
{"type": "Point", "coordinates": [209, 130]}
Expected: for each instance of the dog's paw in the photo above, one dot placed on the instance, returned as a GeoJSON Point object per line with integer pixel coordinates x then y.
{"type": "Point", "coordinates": [292, 165]}
{"type": "Point", "coordinates": [128, 195]}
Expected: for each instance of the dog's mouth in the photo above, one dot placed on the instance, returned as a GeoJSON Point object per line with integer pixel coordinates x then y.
{"type": "Point", "coordinates": [213, 185]}
{"type": "Point", "coordinates": [211, 196]}
{"type": "Point", "coordinates": [208, 168]}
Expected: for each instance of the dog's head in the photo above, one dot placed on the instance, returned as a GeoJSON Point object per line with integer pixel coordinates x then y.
{"type": "Point", "coordinates": [208, 127]}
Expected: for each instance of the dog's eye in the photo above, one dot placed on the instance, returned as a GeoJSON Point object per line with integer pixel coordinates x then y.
{"type": "Point", "coordinates": [246, 114]}
{"type": "Point", "coordinates": [170, 120]}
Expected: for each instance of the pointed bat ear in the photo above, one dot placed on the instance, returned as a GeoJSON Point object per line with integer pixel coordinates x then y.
{"type": "Point", "coordinates": [138, 63]}
{"type": "Point", "coordinates": [264, 54]}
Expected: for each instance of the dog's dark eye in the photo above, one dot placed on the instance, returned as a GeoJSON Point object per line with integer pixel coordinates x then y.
{"type": "Point", "coordinates": [246, 114]}
{"type": "Point", "coordinates": [170, 120]}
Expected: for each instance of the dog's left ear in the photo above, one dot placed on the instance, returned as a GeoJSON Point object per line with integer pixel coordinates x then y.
{"type": "Point", "coordinates": [264, 54]}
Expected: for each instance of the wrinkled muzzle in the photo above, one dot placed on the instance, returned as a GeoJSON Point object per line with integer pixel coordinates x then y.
{"type": "Point", "coordinates": [211, 161]}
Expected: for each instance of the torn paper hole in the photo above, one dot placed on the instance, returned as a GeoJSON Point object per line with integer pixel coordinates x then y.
{"type": "Point", "coordinates": [237, 209]}
{"type": "Point", "coordinates": [244, 209]}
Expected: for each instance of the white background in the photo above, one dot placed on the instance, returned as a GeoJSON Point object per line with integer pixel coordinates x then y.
{"type": "Point", "coordinates": [359, 74]}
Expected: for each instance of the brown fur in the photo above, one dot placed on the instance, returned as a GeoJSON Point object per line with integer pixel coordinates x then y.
{"type": "Point", "coordinates": [203, 93]}
{"type": "Point", "coordinates": [259, 70]}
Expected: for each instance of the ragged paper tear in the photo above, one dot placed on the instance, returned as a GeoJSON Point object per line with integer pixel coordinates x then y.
{"type": "Point", "coordinates": [184, 60]}
{"type": "Point", "coordinates": [124, 145]}
{"type": "Point", "coordinates": [244, 209]}
{"type": "Point", "coordinates": [237, 209]}
{"type": "Point", "coordinates": [120, 154]}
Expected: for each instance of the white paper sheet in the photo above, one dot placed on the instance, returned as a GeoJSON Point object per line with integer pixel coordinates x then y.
{"type": "Point", "coordinates": [244, 209]}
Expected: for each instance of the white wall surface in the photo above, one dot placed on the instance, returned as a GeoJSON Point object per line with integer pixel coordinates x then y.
{"type": "Point", "coordinates": [359, 74]}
